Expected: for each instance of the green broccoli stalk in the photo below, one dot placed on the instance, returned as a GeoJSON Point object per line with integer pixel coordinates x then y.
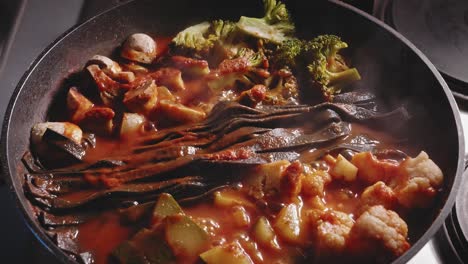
{"type": "Point", "coordinates": [276, 26]}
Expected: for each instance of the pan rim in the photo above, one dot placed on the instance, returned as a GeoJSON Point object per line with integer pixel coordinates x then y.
{"type": "Point", "coordinates": [61, 255]}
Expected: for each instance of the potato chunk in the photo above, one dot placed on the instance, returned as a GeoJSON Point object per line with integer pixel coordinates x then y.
{"type": "Point", "coordinates": [180, 113]}
{"type": "Point", "coordinates": [131, 124]}
{"type": "Point", "coordinates": [77, 105]}
{"type": "Point", "coordinates": [143, 99]}
{"type": "Point", "coordinates": [227, 254]}
{"type": "Point", "coordinates": [344, 170]}
{"type": "Point", "coordinates": [288, 223]}
{"type": "Point", "coordinates": [265, 179]}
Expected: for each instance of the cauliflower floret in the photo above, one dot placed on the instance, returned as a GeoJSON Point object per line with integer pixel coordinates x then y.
{"type": "Point", "coordinates": [330, 230]}
{"type": "Point", "coordinates": [314, 182]}
{"type": "Point", "coordinates": [378, 194]}
{"type": "Point", "coordinates": [421, 180]}
{"type": "Point", "coordinates": [379, 229]}
{"type": "Point", "coordinates": [372, 170]}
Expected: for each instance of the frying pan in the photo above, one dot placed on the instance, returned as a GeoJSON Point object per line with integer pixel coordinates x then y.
{"type": "Point", "coordinates": [389, 64]}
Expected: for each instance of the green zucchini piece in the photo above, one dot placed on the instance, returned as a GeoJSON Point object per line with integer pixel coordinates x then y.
{"type": "Point", "coordinates": [231, 253]}
{"type": "Point", "coordinates": [165, 206]}
{"type": "Point", "coordinates": [184, 236]}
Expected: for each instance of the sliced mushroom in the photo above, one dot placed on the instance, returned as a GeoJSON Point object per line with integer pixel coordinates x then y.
{"type": "Point", "coordinates": [77, 104]}
{"type": "Point", "coordinates": [139, 47]}
{"type": "Point", "coordinates": [106, 64]}
{"type": "Point", "coordinates": [169, 77]}
{"type": "Point", "coordinates": [57, 143]}
{"type": "Point", "coordinates": [135, 68]}
{"type": "Point", "coordinates": [99, 120]}
{"type": "Point", "coordinates": [180, 113]}
{"type": "Point", "coordinates": [142, 99]}
{"type": "Point", "coordinates": [112, 69]}
{"type": "Point", "coordinates": [109, 89]}
{"type": "Point", "coordinates": [131, 124]}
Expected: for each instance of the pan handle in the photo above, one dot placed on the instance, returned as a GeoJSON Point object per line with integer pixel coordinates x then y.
{"type": "Point", "coordinates": [2, 176]}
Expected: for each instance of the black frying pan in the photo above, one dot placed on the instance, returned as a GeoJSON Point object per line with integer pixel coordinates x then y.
{"type": "Point", "coordinates": [390, 66]}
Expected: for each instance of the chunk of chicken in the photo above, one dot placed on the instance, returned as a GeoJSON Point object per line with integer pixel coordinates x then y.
{"type": "Point", "coordinates": [180, 113]}
{"type": "Point", "coordinates": [291, 181]}
{"type": "Point", "coordinates": [77, 105]}
{"type": "Point", "coordinates": [99, 120]}
{"type": "Point", "coordinates": [169, 77]}
{"type": "Point", "coordinates": [421, 178]}
{"type": "Point", "coordinates": [378, 194]}
{"type": "Point", "coordinates": [265, 179]}
{"type": "Point", "coordinates": [330, 230]}
{"type": "Point", "coordinates": [379, 229]}
{"type": "Point", "coordinates": [143, 99]}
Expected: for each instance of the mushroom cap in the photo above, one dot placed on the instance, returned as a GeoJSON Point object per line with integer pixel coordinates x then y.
{"type": "Point", "coordinates": [139, 47]}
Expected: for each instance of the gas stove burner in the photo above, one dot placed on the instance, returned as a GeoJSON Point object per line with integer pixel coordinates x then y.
{"type": "Point", "coordinates": [439, 28]}
{"type": "Point", "coordinates": [456, 224]}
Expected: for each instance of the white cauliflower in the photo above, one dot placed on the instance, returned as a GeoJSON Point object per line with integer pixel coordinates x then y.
{"type": "Point", "coordinates": [379, 229]}
{"type": "Point", "coordinates": [378, 194]}
{"type": "Point", "coordinates": [421, 179]}
{"type": "Point", "coordinates": [330, 229]}
{"type": "Point", "coordinates": [314, 182]}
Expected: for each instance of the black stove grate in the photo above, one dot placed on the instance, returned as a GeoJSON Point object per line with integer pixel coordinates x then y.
{"type": "Point", "coordinates": [439, 28]}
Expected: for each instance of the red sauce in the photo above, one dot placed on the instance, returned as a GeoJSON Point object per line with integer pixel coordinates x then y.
{"type": "Point", "coordinates": [102, 235]}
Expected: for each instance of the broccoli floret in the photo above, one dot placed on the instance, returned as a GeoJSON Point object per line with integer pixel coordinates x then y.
{"type": "Point", "coordinates": [244, 69]}
{"type": "Point", "coordinates": [276, 26]}
{"type": "Point", "coordinates": [195, 40]}
{"type": "Point", "coordinates": [199, 40]}
{"type": "Point", "coordinates": [287, 53]}
{"type": "Point", "coordinates": [283, 88]}
{"type": "Point", "coordinates": [252, 58]}
{"type": "Point", "coordinates": [326, 67]}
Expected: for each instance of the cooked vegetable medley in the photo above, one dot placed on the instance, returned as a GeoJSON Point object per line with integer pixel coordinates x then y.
{"type": "Point", "coordinates": [230, 142]}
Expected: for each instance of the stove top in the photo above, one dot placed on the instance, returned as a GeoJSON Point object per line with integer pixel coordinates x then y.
{"type": "Point", "coordinates": [53, 17]}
